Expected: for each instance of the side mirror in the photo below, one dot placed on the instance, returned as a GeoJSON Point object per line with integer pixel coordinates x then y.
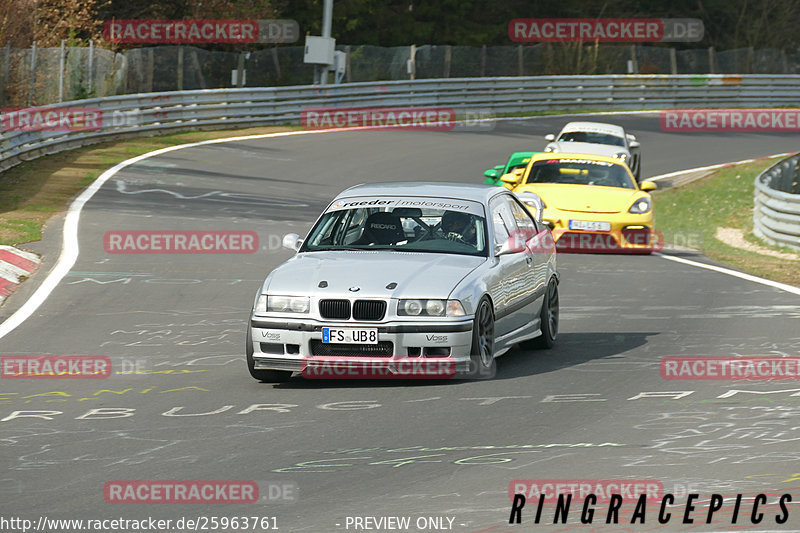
{"type": "Point", "coordinates": [634, 144]}
{"type": "Point", "coordinates": [513, 177]}
{"type": "Point", "coordinates": [550, 137]}
{"type": "Point", "coordinates": [292, 241]}
{"type": "Point", "coordinates": [534, 204]}
{"type": "Point", "coordinates": [648, 185]}
{"type": "Point", "coordinates": [491, 173]}
{"type": "Point", "coordinates": [504, 248]}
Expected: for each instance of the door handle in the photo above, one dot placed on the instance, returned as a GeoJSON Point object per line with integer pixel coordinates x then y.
{"type": "Point", "coordinates": [529, 260]}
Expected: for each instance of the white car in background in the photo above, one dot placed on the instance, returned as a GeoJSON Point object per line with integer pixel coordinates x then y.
{"type": "Point", "coordinates": [600, 139]}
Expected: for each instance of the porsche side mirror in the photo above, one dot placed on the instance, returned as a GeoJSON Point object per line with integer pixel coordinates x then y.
{"type": "Point", "coordinates": [648, 185]}
{"type": "Point", "coordinates": [550, 137]}
{"type": "Point", "coordinates": [513, 177]}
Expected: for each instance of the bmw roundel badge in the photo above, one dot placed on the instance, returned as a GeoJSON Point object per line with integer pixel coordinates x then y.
{"type": "Point", "coordinates": [354, 288]}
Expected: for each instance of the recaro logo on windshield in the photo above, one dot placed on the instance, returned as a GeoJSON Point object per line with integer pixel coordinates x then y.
{"type": "Point", "coordinates": [383, 226]}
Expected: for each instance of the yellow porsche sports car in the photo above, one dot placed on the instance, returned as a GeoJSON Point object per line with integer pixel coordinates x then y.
{"type": "Point", "coordinates": [592, 203]}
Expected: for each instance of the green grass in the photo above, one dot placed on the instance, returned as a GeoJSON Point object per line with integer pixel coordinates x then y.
{"type": "Point", "coordinates": [689, 216]}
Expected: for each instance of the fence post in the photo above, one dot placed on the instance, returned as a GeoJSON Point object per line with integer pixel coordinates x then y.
{"type": "Point", "coordinates": [151, 66]}
{"type": "Point", "coordinates": [91, 67]}
{"type": "Point", "coordinates": [240, 71]}
{"type": "Point", "coordinates": [412, 62]}
{"type": "Point", "coordinates": [520, 68]}
{"type": "Point", "coordinates": [5, 75]}
{"type": "Point", "coordinates": [448, 54]}
{"type": "Point", "coordinates": [180, 68]}
{"type": "Point", "coordinates": [483, 61]}
{"type": "Point", "coordinates": [634, 61]}
{"type": "Point", "coordinates": [347, 64]}
{"type": "Point", "coordinates": [33, 74]}
{"type": "Point", "coordinates": [278, 63]}
{"type": "Point", "coordinates": [711, 69]}
{"type": "Point", "coordinates": [751, 60]}
{"type": "Point", "coordinates": [673, 61]}
{"type": "Point", "coordinates": [61, 71]}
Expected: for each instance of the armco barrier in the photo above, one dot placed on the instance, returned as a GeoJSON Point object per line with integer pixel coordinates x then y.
{"type": "Point", "coordinates": [158, 113]}
{"type": "Point", "coordinates": [776, 216]}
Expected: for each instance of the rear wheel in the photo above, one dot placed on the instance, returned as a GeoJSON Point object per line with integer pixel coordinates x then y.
{"type": "Point", "coordinates": [548, 319]}
{"type": "Point", "coordinates": [482, 363]}
{"type": "Point", "coordinates": [269, 376]}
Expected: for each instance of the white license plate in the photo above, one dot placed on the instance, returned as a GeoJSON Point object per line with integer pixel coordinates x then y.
{"type": "Point", "coordinates": [350, 335]}
{"type": "Point", "coordinates": [589, 225]}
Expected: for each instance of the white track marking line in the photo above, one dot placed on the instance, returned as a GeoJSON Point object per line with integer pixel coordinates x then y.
{"type": "Point", "coordinates": [712, 167]}
{"type": "Point", "coordinates": [755, 279]}
{"type": "Point", "coordinates": [69, 251]}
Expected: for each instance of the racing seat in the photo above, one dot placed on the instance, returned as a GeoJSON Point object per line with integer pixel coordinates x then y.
{"type": "Point", "coordinates": [382, 228]}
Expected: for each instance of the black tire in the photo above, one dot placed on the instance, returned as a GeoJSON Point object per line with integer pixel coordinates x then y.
{"type": "Point", "coordinates": [482, 364]}
{"type": "Point", "coordinates": [269, 376]}
{"type": "Point", "coordinates": [549, 318]}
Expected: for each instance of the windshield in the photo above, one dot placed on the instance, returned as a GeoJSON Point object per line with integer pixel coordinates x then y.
{"type": "Point", "coordinates": [580, 172]}
{"type": "Point", "coordinates": [591, 137]}
{"type": "Point", "coordinates": [407, 229]}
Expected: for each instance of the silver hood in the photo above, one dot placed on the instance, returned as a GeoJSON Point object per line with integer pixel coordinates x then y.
{"type": "Point", "coordinates": [587, 148]}
{"type": "Point", "coordinates": [417, 275]}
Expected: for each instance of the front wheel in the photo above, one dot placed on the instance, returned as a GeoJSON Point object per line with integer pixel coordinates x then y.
{"type": "Point", "coordinates": [482, 364]}
{"type": "Point", "coordinates": [269, 376]}
{"type": "Point", "coordinates": [548, 318]}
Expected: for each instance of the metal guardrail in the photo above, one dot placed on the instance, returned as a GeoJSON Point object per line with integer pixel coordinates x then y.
{"type": "Point", "coordinates": [776, 215]}
{"type": "Point", "coordinates": [158, 113]}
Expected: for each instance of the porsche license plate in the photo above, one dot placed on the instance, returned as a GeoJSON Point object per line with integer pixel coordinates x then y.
{"type": "Point", "coordinates": [589, 225]}
{"type": "Point", "coordinates": [350, 335]}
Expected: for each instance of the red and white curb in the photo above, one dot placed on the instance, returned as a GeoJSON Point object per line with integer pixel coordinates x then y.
{"type": "Point", "coordinates": [15, 265]}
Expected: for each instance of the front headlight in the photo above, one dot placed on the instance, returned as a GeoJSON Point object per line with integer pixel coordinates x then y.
{"type": "Point", "coordinates": [287, 304]}
{"type": "Point", "coordinates": [642, 205]}
{"type": "Point", "coordinates": [430, 308]}
{"type": "Point", "coordinates": [622, 156]}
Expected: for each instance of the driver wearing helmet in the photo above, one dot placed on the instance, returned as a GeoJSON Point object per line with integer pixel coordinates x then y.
{"type": "Point", "coordinates": [458, 227]}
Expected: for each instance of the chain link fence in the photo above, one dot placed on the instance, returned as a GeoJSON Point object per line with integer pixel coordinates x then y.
{"type": "Point", "coordinates": [41, 76]}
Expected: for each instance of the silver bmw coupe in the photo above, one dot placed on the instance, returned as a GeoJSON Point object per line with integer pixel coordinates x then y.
{"type": "Point", "coordinates": [449, 273]}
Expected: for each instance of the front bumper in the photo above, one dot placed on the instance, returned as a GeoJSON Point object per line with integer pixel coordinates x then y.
{"type": "Point", "coordinates": [628, 232]}
{"type": "Point", "coordinates": [280, 344]}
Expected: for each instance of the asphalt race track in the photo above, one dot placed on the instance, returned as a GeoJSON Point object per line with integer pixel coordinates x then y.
{"type": "Point", "coordinates": [188, 410]}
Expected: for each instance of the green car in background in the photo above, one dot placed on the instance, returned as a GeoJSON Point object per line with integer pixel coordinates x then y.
{"type": "Point", "coordinates": [517, 160]}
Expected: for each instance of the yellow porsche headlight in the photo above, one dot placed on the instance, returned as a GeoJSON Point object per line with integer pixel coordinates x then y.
{"type": "Point", "coordinates": [640, 206]}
